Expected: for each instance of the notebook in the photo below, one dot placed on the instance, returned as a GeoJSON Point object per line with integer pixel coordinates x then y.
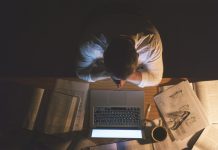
{"type": "Point", "coordinates": [116, 114]}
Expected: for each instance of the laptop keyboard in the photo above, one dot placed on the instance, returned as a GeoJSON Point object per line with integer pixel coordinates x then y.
{"type": "Point", "coordinates": [117, 116]}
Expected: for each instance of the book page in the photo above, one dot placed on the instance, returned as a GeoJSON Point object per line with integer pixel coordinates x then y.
{"type": "Point", "coordinates": [76, 89]}
{"type": "Point", "coordinates": [169, 144]}
{"type": "Point", "coordinates": [207, 91]}
{"type": "Point", "coordinates": [166, 144]}
{"type": "Point", "coordinates": [33, 109]}
{"type": "Point", "coordinates": [165, 87]}
{"type": "Point", "coordinates": [181, 110]}
{"type": "Point", "coordinates": [207, 140]}
{"type": "Point", "coordinates": [60, 114]}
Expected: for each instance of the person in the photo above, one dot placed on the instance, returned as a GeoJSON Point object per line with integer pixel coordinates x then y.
{"type": "Point", "coordinates": [125, 48]}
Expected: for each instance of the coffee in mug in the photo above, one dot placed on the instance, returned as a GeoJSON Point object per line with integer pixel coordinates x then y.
{"type": "Point", "coordinates": [159, 133]}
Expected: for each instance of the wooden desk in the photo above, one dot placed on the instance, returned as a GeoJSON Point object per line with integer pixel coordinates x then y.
{"type": "Point", "coordinates": [49, 82]}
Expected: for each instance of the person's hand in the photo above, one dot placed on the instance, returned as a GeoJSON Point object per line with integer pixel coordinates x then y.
{"type": "Point", "coordinates": [119, 83]}
{"type": "Point", "coordinates": [135, 78]}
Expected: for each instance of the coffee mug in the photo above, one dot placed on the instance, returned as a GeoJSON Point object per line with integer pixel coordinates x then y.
{"type": "Point", "coordinates": [158, 133]}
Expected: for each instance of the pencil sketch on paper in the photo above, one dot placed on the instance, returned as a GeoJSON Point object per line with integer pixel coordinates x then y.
{"type": "Point", "coordinates": [176, 118]}
{"type": "Point", "coordinates": [181, 110]}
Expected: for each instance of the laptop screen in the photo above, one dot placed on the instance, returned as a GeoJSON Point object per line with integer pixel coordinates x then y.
{"type": "Point", "coordinates": [117, 133]}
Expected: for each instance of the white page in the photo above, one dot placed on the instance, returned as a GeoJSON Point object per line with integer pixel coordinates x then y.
{"type": "Point", "coordinates": [176, 100]}
{"type": "Point", "coordinates": [207, 92]}
{"type": "Point", "coordinates": [60, 114]}
{"type": "Point", "coordinates": [165, 87]}
{"type": "Point", "coordinates": [207, 140]}
{"type": "Point", "coordinates": [167, 144]}
{"type": "Point", "coordinates": [35, 103]}
{"type": "Point", "coordinates": [76, 89]}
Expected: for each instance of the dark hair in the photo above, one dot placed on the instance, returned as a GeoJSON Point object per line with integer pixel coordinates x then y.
{"type": "Point", "coordinates": [120, 57]}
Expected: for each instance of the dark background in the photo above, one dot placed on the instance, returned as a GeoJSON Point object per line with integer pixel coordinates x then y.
{"type": "Point", "coordinates": [39, 37]}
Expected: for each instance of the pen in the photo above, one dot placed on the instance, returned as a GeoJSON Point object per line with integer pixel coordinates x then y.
{"type": "Point", "coordinates": [117, 82]}
{"type": "Point", "coordinates": [148, 111]}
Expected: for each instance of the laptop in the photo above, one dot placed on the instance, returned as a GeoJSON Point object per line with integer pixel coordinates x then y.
{"type": "Point", "coordinates": [116, 114]}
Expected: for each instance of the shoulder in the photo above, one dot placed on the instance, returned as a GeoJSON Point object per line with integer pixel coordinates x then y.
{"type": "Point", "coordinates": [149, 47]}
{"type": "Point", "coordinates": [148, 41]}
{"type": "Point", "coordinates": [93, 46]}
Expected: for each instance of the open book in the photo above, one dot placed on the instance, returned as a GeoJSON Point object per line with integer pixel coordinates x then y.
{"type": "Point", "coordinates": [59, 110]}
{"type": "Point", "coordinates": [181, 110]}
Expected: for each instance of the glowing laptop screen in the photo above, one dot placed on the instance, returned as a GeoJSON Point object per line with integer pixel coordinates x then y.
{"type": "Point", "coordinates": [116, 133]}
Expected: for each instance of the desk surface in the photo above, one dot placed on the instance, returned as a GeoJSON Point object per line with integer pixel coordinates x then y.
{"type": "Point", "coordinates": [48, 83]}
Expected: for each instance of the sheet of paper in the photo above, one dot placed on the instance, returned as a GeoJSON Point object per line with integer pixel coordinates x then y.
{"type": "Point", "coordinates": [208, 139]}
{"type": "Point", "coordinates": [181, 110]}
{"type": "Point", "coordinates": [207, 91]}
{"type": "Point", "coordinates": [76, 89]}
{"type": "Point", "coordinates": [166, 144]}
{"type": "Point", "coordinates": [35, 103]}
{"type": "Point", "coordinates": [61, 113]}
{"type": "Point", "coordinates": [165, 87]}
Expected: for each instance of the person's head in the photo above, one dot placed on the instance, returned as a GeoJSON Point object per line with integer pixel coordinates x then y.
{"type": "Point", "coordinates": [120, 57]}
